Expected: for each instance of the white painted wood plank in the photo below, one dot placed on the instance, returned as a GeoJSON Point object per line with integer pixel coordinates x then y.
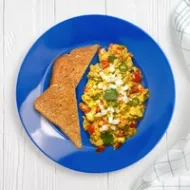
{"type": "Point", "coordinates": [64, 177]}
{"type": "Point", "coordinates": [1, 94]}
{"type": "Point", "coordinates": [15, 37]}
{"type": "Point", "coordinates": [167, 40]}
{"type": "Point", "coordinates": [152, 16]}
{"type": "Point", "coordinates": [24, 166]}
{"type": "Point", "coordinates": [41, 167]}
{"type": "Point", "coordinates": [67, 9]}
{"type": "Point", "coordinates": [43, 15]}
{"type": "Point", "coordinates": [143, 14]}
{"type": "Point", "coordinates": [1, 65]}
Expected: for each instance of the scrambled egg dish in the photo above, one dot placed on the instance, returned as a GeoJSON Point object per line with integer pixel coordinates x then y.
{"type": "Point", "coordinates": [113, 99]}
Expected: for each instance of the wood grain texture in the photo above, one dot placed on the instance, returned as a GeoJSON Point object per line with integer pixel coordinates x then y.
{"type": "Point", "coordinates": [64, 177]}
{"type": "Point", "coordinates": [71, 8]}
{"type": "Point", "coordinates": [154, 17]}
{"type": "Point", "coordinates": [145, 15]}
{"type": "Point", "coordinates": [1, 94]}
{"type": "Point", "coordinates": [36, 164]}
{"type": "Point", "coordinates": [25, 167]}
{"type": "Point", "coordinates": [43, 12]}
{"type": "Point", "coordinates": [22, 165]}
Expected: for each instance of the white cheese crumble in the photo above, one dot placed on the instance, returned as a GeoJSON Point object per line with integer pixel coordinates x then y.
{"type": "Point", "coordinates": [113, 86]}
{"type": "Point", "coordinates": [118, 81]}
{"type": "Point", "coordinates": [122, 92]}
{"type": "Point", "coordinates": [105, 77]}
{"type": "Point", "coordinates": [110, 119]}
{"type": "Point", "coordinates": [112, 77]}
{"type": "Point", "coordinates": [98, 114]}
{"type": "Point", "coordinates": [98, 101]}
{"type": "Point", "coordinates": [104, 88]}
{"type": "Point", "coordinates": [104, 112]}
{"type": "Point", "coordinates": [104, 128]}
{"type": "Point", "coordinates": [100, 85]}
{"type": "Point", "coordinates": [100, 106]}
{"type": "Point", "coordinates": [124, 88]}
{"type": "Point", "coordinates": [111, 68]}
{"type": "Point", "coordinates": [115, 122]}
{"type": "Point", "coordinates": [125, 99]}
{"type": "Point", "coordinates": [111, 109]}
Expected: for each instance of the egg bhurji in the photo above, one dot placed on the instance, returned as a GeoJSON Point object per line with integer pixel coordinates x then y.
{"type": "Point", "coordinates": [114, 98]}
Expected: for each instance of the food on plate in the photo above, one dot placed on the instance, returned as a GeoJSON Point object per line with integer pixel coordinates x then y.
{"type": "Point", "coordinates": [58, 103]}
{"type": "Point", "coordinates": [114, 98]}
{"type": "Point", "coordinates": [73, 65]}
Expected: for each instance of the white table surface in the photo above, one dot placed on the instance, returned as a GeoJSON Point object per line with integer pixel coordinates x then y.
{"type": "Point", "coordinates": [22, 165]}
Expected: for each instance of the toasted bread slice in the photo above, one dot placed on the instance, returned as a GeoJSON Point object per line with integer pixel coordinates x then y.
{"type": "Point", "coordinates": [73, 65]}
{"type": "Point", "coordinates": [62, 69]}
{"type": "Point", "coordinates": [58, 104]}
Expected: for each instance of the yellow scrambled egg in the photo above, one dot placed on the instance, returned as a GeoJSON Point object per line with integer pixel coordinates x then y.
{"type": "Point", "coordinates": [113, 99]}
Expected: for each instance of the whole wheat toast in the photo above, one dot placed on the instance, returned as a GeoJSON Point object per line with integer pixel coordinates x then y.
{"type": "Point", "coordinates": [58, 104]}
{"type": "Point", "coordinates": [73, 65]}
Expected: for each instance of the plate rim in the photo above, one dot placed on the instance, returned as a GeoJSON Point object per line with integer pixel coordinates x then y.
{"type": "Point", "coordinates": [33, 43]}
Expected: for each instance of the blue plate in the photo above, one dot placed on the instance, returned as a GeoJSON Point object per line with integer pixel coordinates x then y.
{"type": "Point", "coordinates": [34, 78]}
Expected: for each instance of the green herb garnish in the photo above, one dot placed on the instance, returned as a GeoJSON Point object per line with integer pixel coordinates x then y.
{"type": "Point", "coordinates": [113, 103]}
{"type": "Point", "coordinates": [107, 138]}
{"type": "Point", "coordinates": [111, 58]}
{"type": "Point", "coordinates": [95, 97]}
{"type": "Point", "coordinates": [111, 94]}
